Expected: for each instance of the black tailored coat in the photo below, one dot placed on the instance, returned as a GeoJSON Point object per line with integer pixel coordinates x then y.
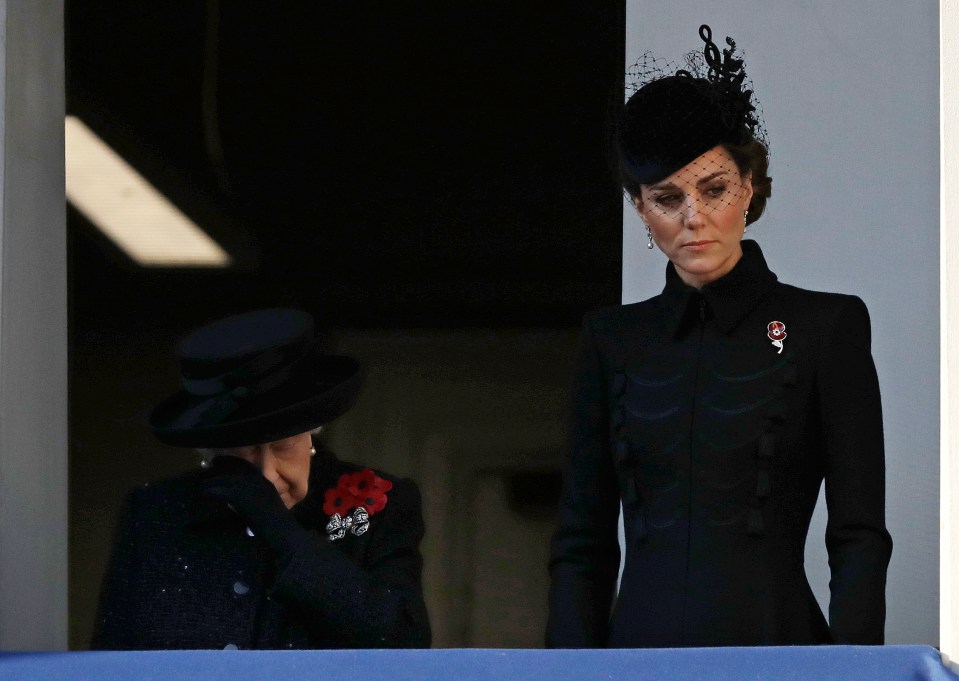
{"type": "Point", "coordinates": [716, 441]}
{"type": "Point", "coordinates": [186, 574]}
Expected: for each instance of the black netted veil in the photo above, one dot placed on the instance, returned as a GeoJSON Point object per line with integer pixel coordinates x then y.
{"type": "Point", "coordinates": [673, 115]}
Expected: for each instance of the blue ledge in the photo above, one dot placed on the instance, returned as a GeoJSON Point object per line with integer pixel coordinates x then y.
{"type": "Point", "coordinates": [825, 663]}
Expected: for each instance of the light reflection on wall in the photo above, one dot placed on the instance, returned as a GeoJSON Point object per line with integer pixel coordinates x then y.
{"type": "Point", "coordinates": [123, 205]}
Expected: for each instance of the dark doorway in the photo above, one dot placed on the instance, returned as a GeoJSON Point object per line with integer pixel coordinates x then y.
{"type": "Point", "coordinates": [429, 180]}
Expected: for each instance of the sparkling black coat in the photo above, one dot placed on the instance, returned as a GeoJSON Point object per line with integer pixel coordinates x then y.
{"type": "Point", "coordinates": [717, 444]}
{"type": "Point", "coordinates": [185, 574]}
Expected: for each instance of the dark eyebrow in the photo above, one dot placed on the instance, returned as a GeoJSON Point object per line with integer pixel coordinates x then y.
{"type": "Point", "coordinates": [669, 185]}
{"type": "Point", "coordinates": [712, 177]}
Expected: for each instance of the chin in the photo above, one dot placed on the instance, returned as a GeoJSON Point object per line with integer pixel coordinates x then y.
{"type": "Point", "coordinates": [704, 264]}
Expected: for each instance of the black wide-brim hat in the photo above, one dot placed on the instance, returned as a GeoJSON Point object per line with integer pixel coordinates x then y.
{"type": "Point", "coordinates": [254, 378]}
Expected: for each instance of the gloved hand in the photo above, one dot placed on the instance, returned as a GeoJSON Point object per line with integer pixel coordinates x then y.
{"type": "Point", "coordinates": [241, 485]}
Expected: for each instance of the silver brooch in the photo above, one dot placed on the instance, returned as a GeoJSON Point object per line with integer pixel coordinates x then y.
{"type": "Point", "coordinates": [357, 523]}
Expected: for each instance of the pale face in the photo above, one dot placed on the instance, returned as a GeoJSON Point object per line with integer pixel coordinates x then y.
{"type": "Point", "coordinates": [285, 463]}
{"type": "Point", "coordinates": [696, 216]}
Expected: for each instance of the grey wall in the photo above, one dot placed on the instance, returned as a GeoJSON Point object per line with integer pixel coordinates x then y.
{"type": "Point", "coordinates": [949, 315]}
{"type": "Point", "coordinates": [33, 337]}
{"type": "Point", "coordinates": [850, 94]}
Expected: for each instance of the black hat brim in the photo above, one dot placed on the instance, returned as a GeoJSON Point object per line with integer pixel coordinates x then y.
{"type": "Point", "coordinates": [328, 391]}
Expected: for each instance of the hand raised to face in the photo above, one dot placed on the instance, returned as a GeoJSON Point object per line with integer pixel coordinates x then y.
{"type": "Point", "coordinates": [285, 463]}
{"type": "Point", "coordinates": [240, 484]}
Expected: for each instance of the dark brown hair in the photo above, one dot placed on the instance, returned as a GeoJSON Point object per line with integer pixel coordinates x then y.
{"type": "Point", "coordinates": [752, 158]}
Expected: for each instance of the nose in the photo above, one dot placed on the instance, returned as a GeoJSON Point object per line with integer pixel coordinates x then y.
{"type": "Point", "coordinates": [266, 462]}
{"type": "Point", "coordinates": [693, 211]}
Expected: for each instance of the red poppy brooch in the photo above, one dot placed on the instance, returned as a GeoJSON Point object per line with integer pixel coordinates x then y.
{"type": "Point", "coordinates": [776, 331]}
{"type": "Point", "coordinates": [356, 497]}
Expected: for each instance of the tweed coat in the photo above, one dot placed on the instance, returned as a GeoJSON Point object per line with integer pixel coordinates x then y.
{"type": "Point", "coordinates": [716, 442]}
{"type": "Point", "coordinates": [186, 574]}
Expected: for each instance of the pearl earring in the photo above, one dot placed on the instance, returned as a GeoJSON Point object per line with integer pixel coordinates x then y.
{"type": "Point", "coordinates": [649, 235]}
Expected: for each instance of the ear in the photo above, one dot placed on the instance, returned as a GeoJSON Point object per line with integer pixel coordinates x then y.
{"type": "Point", "coordinates": [748, 186]}
{"type": "Point", "coordinates": [638, 205]}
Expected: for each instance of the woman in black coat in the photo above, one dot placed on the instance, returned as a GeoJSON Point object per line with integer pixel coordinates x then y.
{"type": "Point", "coordinates": [713, 412]}
{"type": "Point", "coordinates": [274, 543]}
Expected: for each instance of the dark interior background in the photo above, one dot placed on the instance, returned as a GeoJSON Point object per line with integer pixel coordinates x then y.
{"type": "Point", "coordinates": [428, 179]}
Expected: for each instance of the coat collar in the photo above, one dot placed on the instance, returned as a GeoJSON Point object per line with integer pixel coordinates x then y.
{"type": "Point", "coordinates": [726, 301]}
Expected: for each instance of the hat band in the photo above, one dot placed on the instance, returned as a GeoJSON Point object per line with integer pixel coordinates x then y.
{"type": "Point", "coordinates": [232, 394]}
{"type": "Point", "coordinates": [261, 365]}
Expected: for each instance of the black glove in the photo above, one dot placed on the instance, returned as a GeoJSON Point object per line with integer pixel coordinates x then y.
{"type": "Point", "coordinates": [238, 483]}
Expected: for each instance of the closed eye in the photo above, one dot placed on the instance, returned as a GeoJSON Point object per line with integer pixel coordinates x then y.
{"type": "Point", "coordinates": [283, 448]}
{"type": "Point", "coordinates": [241, 452]}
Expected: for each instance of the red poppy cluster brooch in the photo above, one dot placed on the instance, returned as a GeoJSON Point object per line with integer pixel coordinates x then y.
{"type": "Point", "coordinates": [363, 493]}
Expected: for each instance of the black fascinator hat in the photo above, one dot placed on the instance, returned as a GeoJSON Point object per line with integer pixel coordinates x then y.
{"type": "Point", "coordinates": [253, 378]}
{"type": "Point", "coordinates": [672, 118]}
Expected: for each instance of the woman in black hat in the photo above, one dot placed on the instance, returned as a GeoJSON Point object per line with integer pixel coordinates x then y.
{"type": "Point", "coordinates": [274, 543]}
{"type": "Point", "coordinates": [713, 411]}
